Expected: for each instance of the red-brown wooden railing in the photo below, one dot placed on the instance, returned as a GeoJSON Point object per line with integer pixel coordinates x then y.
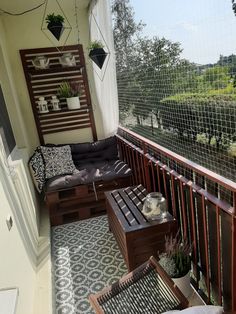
{"type": "Point", "coordinates": [204, 205]}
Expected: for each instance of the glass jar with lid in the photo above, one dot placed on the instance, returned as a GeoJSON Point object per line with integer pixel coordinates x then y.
{"type": "Point", "coordinates": [154, 206]}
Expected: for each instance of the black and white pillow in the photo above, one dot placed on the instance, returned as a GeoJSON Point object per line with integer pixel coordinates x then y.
{"type": "Point", "coordinates": [37, 169]}
{"type": "Point", "coordinates": [58, 160]}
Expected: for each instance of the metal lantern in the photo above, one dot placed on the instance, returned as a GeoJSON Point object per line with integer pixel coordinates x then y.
{"type": "Point", "coordinates": [55, 103]}
{"type": "Point", "coordinates": [42, 105]}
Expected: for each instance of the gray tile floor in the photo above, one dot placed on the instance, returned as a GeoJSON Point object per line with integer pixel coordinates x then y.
{"type": "Point", "coordinates": [86, 258]}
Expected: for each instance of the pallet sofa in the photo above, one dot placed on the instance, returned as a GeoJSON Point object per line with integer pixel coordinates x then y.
{"type": "Point", "coordinates": [86, 171]}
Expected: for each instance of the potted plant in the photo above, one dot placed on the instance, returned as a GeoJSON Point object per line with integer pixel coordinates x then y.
{"type": "Point", "coordinates": [71, 91]}
{"type": "Point", "coordinates": [176, 262]}
{"type": "Point", "coordinates": [97, 53]}
{"type": "Point", "coordinates": [55, 24]}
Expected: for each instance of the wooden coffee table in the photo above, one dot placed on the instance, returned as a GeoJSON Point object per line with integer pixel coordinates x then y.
{"type": "Point", "coordinates": [137, 238]}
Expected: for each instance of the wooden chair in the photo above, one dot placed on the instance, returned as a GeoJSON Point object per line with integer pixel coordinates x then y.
{"type": "Point", "coordinates": [148, 289]}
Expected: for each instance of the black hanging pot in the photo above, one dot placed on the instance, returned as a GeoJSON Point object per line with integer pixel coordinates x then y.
{"type": "Point", "coordinates": [56, 29]}
{"type": "Point", "coordinates": [98, 56]}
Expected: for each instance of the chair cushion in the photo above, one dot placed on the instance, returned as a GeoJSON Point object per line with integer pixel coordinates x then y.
{"type": "Point", "coordinates": [88, 173]}
{"type": "Point", "coordinates": [58, 161]}
{"type": "Point", "coordinates": [37, 169]}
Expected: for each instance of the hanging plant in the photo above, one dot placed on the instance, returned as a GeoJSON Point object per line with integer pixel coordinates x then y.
{"type": "Point", "coordinates": [97, 53]}
{"type": "Point", "coordinates": [55, 24]}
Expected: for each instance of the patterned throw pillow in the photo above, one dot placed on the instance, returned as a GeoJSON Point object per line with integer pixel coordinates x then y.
{"type": "Point", "coordinates": [37, 169]}
{"type": "Point", "coordinates": [58, 160]}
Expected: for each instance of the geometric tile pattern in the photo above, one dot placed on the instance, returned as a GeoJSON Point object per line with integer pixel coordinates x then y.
{"type": "Point", "coordinates": [86, 258]}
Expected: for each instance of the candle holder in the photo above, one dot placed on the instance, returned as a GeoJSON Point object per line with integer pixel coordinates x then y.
{"type": "Point", "coordinates": [42, 105]}
{"type": "Point", "coordinates": [154, 206]}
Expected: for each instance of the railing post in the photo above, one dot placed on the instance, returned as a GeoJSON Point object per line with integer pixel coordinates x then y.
{"type": "Point", "coordinates": [233, 266]}
{"type": "Point", "coordinates": [146, 167]}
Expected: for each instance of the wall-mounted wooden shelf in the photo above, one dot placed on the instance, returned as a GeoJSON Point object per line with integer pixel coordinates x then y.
{"type": "Point", "coordinates": [45, 83]}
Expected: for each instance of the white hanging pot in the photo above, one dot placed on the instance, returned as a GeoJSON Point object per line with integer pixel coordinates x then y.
{"type": "Point", "coordinates": [73, 103]}
{"type": "Point", "coordinates": [183, 283]}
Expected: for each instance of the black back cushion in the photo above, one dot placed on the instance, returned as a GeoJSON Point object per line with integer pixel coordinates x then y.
{"type": "Point", "coordinates": [103, 150]}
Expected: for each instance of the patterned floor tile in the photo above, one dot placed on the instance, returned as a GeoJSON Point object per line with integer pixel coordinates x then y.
{"type": "Point", "coordinates": [86, 258]}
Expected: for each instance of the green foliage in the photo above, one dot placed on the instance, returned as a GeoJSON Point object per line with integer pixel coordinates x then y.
{"type": "Point", "coordinates": [203, 112]}
{"type": "Point", "coordinates": [216, 77]}
{"type": "Point", "coordinates": [67, 90]}
{"type": "Point", "coordinates": [95, 45]}
{"type": "Point", "coordinates": [126, 31]}
{"type": "Point", "coordinates": [56, 19]}
{"type": "Point", "coordinates": [176, 260]}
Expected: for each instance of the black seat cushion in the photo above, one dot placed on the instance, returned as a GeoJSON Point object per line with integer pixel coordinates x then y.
{"type": "Point", "coordinates": [89, 172]}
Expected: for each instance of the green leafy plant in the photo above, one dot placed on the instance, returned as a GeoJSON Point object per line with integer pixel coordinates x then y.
{"type": "Point", "coordinates": [69, 89]}
{"type": "Point", "coordinates": [176, 260]}
{"type": "Point", "coordinates": [56, 19]}
{"type": "Point", "coordinates": [96, 44]}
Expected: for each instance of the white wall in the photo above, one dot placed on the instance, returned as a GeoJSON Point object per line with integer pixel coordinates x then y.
{"type": "Point", "coordinates": [105, 91]}
{"type": "Point", "coordinates": [19, 245]}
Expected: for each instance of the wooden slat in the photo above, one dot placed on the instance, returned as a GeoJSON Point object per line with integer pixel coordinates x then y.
{"type": "Point", "coordinates": [213, 249]}
{"type": "Point", "coordinates": [132, 208]}
{"type": "Point", "coordinates": [58, 69]}
{"type": "Point", "coordinates": [62, 113]}
{"type": "Point", "coordinates": [138, 203]}
{"type": "Point", "coordinates": [66, 129]}
{"type": "Point", "coordinates": [128, 214]}
{"type": "Point", "coordinates": [68, 119]}
{"type": "Point", "coordinates": [116, 210]}
{"type": "Point", "coordinates": [226, 238]}
{"type": "Point", "coordinates": [140, 192]}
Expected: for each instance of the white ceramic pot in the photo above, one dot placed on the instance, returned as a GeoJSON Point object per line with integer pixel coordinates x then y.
{"type": "Point", "coordinates": [73, 103]}
{"type": "Point", "coordinates": [183, 283]}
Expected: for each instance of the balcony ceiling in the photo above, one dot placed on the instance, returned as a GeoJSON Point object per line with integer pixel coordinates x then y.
{"type": "Point", "coordinates": [16, 6]}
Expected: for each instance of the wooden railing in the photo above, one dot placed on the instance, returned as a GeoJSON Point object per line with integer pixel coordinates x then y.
{"type": "Point", "coordinates": [204, 205]}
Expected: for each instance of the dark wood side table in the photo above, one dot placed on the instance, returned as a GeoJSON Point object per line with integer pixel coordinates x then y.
{"type": "Point", "coordinates": [137, 238]}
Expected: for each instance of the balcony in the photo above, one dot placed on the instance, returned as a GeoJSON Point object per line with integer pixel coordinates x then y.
{"type": "Point", "coordinates": [202, 201]}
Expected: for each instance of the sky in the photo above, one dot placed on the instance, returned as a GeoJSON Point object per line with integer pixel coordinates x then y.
{"type": "Point", "coordinates": [205, 28]}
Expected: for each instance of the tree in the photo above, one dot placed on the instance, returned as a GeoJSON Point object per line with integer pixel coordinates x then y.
{"type": "Point", "coordinates": [125, 31]}
{"type": "Point", "coordinates": [159, 72]}
{"type": "Point", "coordinates": [217, 77]}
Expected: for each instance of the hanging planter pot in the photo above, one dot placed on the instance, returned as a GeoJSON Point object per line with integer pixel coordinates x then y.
{"type": "Point", "coordinates": [97, 53]}
{"type": "Point", "coordinates": [56, 29]}
{"type": "Point", "coordinates": [98, 56]}
{"type": "Point", "coordinates": [55, 25]}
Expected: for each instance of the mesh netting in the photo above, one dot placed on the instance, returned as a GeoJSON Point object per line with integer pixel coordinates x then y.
{"type": "Point", "coordinates": [183, 106]}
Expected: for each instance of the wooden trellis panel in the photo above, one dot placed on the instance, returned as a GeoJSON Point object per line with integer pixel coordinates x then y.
{"type": "Point", "coordinates": [46, 82]}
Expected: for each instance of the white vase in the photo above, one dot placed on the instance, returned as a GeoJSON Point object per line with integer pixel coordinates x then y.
{"type": "Point", "coordinates": [183, 283]}
{"type": "Point", "coordinates": [73, 103]}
